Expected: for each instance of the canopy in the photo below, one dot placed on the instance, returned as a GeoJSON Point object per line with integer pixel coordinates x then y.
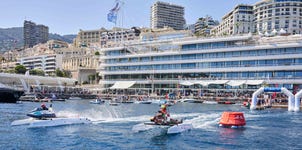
{"type": "Point", "coordinates": [207, 82]}
{"type": "Point", "coordinates": [186, 83]}
{"type": "Point", "coordinates": [122, 84]}
{"type": "Point", "coordinates": [236, 82]}
{"type": "Point", "coordinates": [254, 82]}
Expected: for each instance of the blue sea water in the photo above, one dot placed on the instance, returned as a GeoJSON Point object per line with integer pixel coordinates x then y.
{"type": "Point", "coordinates": [112, 128]}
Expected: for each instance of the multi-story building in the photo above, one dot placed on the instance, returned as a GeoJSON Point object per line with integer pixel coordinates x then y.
{"type": "Point", "coordinates": [34, 34]}
{"type": "Point", "coordinates": [81, 62]}
{"type": "Point", "coordinates": [48, 63]}
{"type": "Point", "coordinates": [109, 38]}
{"type": "Point", "coordinates": [85, 38]}
{"type": "Point", "coordinates": [270, 15]}
{"type": "Point", "coordinates": [240, 61]}
{"type": "Point", "coordinates": [166, 14]}
{"type": "Point", "coordinates": [204, 25]}
{"type": "Point", "coordinates": [238, 21]}
{"type": "Point", "coordinates": [104, 37]}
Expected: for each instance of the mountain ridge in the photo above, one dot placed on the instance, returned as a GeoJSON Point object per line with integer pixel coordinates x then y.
{"type": "Point", "coordinates": [12, 38]}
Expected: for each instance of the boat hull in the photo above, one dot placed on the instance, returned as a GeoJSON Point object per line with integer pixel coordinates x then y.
{"type": "Point", "coordinates": [9, 95]}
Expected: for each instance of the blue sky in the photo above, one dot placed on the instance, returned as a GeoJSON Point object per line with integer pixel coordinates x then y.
{"type": "Point", "coordinates": [69, 16]}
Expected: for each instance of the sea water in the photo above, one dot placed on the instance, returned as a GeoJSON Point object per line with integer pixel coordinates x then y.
{"type": "Point", "coordinates": [111, 128]}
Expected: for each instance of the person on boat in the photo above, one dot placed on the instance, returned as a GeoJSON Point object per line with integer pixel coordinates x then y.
{"type": "Point", "coordinates": [165, 113]}
{"type": "Point", "coordinates": [43, 106]}
{"type": "Point", "coordinates": [50, 107]}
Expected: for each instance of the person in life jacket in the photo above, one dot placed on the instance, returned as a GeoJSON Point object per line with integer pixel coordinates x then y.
{"type": "Point", "coordinates": [165, 113]}
{"type": "Point", "coordinates": [43, 106]}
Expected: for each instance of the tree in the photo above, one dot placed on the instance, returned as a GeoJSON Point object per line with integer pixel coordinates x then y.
{"type": "Point", "coordinates": [59, 73]}
{"type": "Point", "coordinates": [38, 72]}
{"type": "Point", "coordinates": [20, 69]}
{"type": "Point", "coordinates": [67, 73]}
{"type": "Point", "coordinates": [97, 53]}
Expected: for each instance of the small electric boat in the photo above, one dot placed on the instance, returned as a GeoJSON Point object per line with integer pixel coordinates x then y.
{"type": "Point", "coordinates": [47, 118]}
{"type": "Point", "coordinates": [39, 113]}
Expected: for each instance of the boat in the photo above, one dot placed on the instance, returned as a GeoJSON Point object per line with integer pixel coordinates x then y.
{"type": "Point", "coordinates": [232, 120]}
{"type": "Point", "coordinates": [39, 113]}
{"type": "Point", "coordinates": [35, 123]}
{"type": "Point", "coordinates": [34, 98]}
{"type": "Point", "coordinates": [97, 101]}
{"type": "Point", "coordinates": [47, 118]}
{"type": "Point", "coordinates": [9, 95]}
{"type": "Point", "coordinates": [174, 126]}
{"type": "Point", "coordinates": [191, 101]}
{"type": "Point", "coordinates": [74, 98]}
{"type": "Point", "coordinates": [144, 102]}
{"type": "Point", "coordinates": [114, 103]}
{"type": "Point", "coordinates": [226, 102]}
{"type": "Point", "coordinates": [209, 102]}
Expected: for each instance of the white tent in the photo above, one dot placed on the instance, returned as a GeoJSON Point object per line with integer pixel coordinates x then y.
{"type": "Point", "coordinates": [236, 82]}
{"type": "Point", "coordinates": [186, 83]}
{"type": "Point", "coordinates": [208, 82]}
{"type": "Point", "coordinates": [254, 82]}
{"type": "Point", "coordinates": [122, 84]}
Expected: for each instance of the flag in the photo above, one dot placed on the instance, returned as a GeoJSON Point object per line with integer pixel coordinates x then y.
{"type": "Point", "coordinates": [112, 15]}
{"type": "Point", "coordinates": [116, 8]}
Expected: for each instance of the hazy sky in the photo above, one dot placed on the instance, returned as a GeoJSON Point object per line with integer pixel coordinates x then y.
{"type": "Point", "coordinates": [68, 16]}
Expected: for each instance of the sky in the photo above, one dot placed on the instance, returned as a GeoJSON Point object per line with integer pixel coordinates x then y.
{"type": "Point", "coordinates": [69, 16]}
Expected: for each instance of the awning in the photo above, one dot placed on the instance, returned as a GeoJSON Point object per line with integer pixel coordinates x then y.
{"type": "Point", "coordinates": [236, 82]}
{"type": "Point", "coordinates": [220, 81]}
{"type": "Point", "coordinates": [203, 83]}
{"type": "Point", "coordinates": [254, 82]}
{"type": "Point", "coordinates": [122, 84]}
{"type": "Point", "coordinates": [186, 83]}
{"type": "Point", "coordinates": [208, 82]}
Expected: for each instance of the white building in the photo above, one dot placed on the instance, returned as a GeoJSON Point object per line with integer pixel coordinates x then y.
{"type": "Point", "coordinates": [166, 14]}
{"type": "Point", "coordinates": [48, 63]}
{"type": "Point", "coordinates": [273, 15]}
{"type": "Point", "coordinates": [238, 21]}
{"type": "Point", "coordinates": [266, 17]}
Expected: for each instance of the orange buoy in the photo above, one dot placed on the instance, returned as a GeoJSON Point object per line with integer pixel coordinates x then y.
{"type": "Point", "coordinates": [232, 119]}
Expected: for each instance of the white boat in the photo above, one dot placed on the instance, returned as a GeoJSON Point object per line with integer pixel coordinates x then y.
{"type": "Point", "coordinates": [114, 103]}
{"type": "Point", "coordinates": [74, 98]}
{"type": "Point", "coordinates": [32, 123]}
{"type": "Point", "coordinates": [97, 101]}
{"type": "Point", "coordinates": [172, 129]}
{"type": "Point", "coordinates": [143, 102]}
{"type": "Point", "coordinates": [191, 100]}
{"type": "Point", "coordinates": [210, 102]}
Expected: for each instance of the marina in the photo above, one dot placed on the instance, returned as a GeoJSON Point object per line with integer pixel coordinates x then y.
{"type": "Point", "coordinates": [111, 128]}
{"type": "Point", "coordinates": [177, 84]}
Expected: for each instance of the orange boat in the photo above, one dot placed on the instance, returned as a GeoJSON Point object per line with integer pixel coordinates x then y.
{"type": "Point", "coordinates": [232, 119]}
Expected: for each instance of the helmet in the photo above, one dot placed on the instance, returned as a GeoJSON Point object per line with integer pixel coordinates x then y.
{"type": "Point", "coordinates": [163, 106]}
{"type": "Point", "coordinates": [43, 105]}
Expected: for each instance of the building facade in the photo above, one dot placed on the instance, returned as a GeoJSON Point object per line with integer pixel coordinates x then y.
{"type": "Point", "coordinates": [34, 34]}
{"type": "Point", "coordinates": [205, 63]}
{"type": "Point", "coordinates": [238, 21]}
{"type": "Point", "coordinates": [48, 63]}
{"type": "Point", "coordinates": [85, 38]}
{"type": "Point", "coordinates": [270, 15]}
{"type": "Point", "coordinates": [116, 35]}
{"type": "Point", "coordinates": [81, 62]}
{"type": "Point", "coordinates": [166, 14]}
{"type": "Point", "coordinates": [104, 37]}
{"type": "Point", "coordinates": [204, 25]}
